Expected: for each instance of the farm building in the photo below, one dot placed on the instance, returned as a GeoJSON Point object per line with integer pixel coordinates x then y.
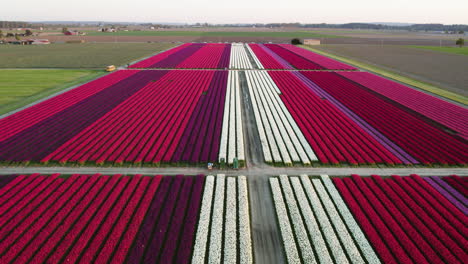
{"type": "Point", "coordinates": [311, 41]}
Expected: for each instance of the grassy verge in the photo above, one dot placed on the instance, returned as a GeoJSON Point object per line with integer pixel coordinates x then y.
{"type": "Point", "coordinates": [22, 87]}
{"type": "Point", "coordinates": [395, 76]}
{"type": "Point", "coordinates": [453, 50]}
{"type": "Point", "coordinates": [73, 56]}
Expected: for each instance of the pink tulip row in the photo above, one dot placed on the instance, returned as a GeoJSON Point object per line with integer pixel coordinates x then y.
{"type": "Point", "coordinates": [406, 219]}
{"type": "Point", "coordinates": [447, 114]}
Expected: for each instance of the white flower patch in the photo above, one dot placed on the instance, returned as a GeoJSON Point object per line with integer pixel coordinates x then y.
{"type": "Point", "coordinates": [239, 57]}
{"type": "Point", "coordinates": [291, 125]}
{"type": "Point", "coordinates": [356, 231]}
{"type": "Point", "coordinates": [327, 229]}
{"type": "Point", "coordinates": [239, 130]}
{"type": "Point", "coordinates": [201, 238]}
{"type": "Point", "coordinates": [342, 231]}
{"type": "Point", "coordinates": [223, 147]}
{"type": "Point", "coordinates": [252, 53]}
{"type": "Point", "coordinates": [298, 225]}
{"type": "Point", "coordinates": [230, 230]}
{"type": "Point", "coordinates": [285, 145]}
{"type": "Point", "coordinates": [311, 223]}
{"type": "Point", "coordinates": [245, 240]}
{"type": "Point", "coordinates": [216, 233]}
{"type": "Point", "coordinates": [290, 246]}
{"type": "Point", "coordinates": [232, 117]}
{"type": "Point", "coordinates": [258, 120]}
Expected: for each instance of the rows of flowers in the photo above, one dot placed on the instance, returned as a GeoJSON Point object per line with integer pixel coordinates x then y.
{"type": "Point", "coordinates": [190, 56]}
{"type": "Point", "coordinates": [370, 219]}
{"type": "Point", "coordinates": [282, 140]}
{"type": "Point", "coordinates": [424, 141]}
{"type": "Point", "coordinates": [447, 114]}
{"type": "Point", "coordinates": [239, 57]}
{"type": "Point", "coordinates": [333, 136]}
{"type": "Point", "coordinates": [316, 227]}
{"type": "Point", "coordinates": [152, 116]}
{"type": "Point", "coordinates": [232, 134]}
{"type": "Point", "coordinates": [124, 219]}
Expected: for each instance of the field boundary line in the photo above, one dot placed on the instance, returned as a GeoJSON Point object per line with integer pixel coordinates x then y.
{"type": "Point", "coordinates": [434, 90]}
{"type": "Point", "coordinates": [147, 57]}
{"type": "Point", "coordinates": [61, 91]}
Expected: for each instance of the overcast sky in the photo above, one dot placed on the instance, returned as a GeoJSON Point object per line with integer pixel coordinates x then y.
{"type": "Point", "coordinates": [240, 11]}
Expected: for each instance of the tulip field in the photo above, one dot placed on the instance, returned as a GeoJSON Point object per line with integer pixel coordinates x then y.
{"type": "Point", "coordinates": [124, 219]}
{"type": "Point", "coordinates": [188, 106]}
{"type": "Point", "coordinates": [371, 219]}
{"type": "Point", "coordinates": [158, 117]}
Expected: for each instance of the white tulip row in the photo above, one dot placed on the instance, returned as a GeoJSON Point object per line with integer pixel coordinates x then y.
{"type": "Point", "coordinates": [232, 135]}
{"type": "Point", "coordinates": [281, 138]}
{"type": "Point", "coordinates": [239, 57]}
{"type": "Point", "coordinates": [317, 211]}
{"type": "Point", "coordinates": [252, 53]}
{"type": "Point", "coordinates": [223, 232]}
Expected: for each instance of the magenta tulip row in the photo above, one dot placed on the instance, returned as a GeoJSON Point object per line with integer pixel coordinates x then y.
{"type": "Point", "coordinates": [150, 116]}
{"type": "Point", "coordinates": [86, 219]}
{"type": "Point", "coordinates": [190, 56]}
{"type": "Point", "coordinates": [406, 219]}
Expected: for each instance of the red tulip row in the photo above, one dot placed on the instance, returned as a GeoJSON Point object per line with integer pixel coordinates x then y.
{"type": "Point", "coordinates": [450, 115]}
{"type": "Point", "coordinates": [115, 219]}
{"type": "Point", "coordinates": [406, 219]}
{"type": "Point", "coordinates": [323, 61]}
{"type": "Point", "coordinates": [210, 56]}
{"type": "Point", "coordinates": [30, 116]}
{"type": "Point", "coordinates": [333, 136]}
{"type": "Point", "coordinates": [268, 62]}
{"type": "Point", "coordinates": [190, 56]}
{"type": "Point", "coordinates": [298, 61]}
{"type": "Point", "coordinates": [149, 62]}
{"type": "Point", "coordinates": [147, 127]}
{"type": "Point", "coordinates": [420, 139]}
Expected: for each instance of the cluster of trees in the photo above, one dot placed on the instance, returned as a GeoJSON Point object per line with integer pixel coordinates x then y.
{"type": "Point", "coordinates": [17, 36]}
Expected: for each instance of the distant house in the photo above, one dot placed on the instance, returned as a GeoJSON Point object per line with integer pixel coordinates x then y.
{"type": "Point", "coordinates": [311, 41]}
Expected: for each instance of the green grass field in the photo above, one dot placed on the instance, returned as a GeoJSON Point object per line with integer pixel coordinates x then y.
{"type": "Point", "coordinates": [395, 76]}
{"type": "Point", "coordinates": [298, 34]}
{"type": "Point", "coordinates": [88, 55]}
{"type": "Point", "coordinates": [22, 87]}
{"type": "Point", "coordinates": [453, 50]}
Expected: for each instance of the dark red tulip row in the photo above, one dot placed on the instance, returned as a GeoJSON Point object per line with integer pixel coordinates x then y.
{"type": "Point", "coordinates": [406, 219]}
{"type": "Point", "coordinates": [97, 219]}
{"type": "Point", "coordinates": [266, 59]}
{"type": "Point", "coordinates": [447, 114]}
{"type": "Point", "coordinates": [147, 63]}
{"type": "Point", "coordinates": [413, 133]}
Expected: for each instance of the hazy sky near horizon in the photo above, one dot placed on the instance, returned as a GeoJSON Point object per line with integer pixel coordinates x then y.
{"type": "Point", "coordinates": [240, 11]}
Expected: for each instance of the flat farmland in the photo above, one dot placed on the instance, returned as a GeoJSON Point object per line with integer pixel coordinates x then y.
{"type": "Point", "coordinates": [21, 87]}
{"type": "Point", "coordinates": [89, 55]}
{"type": "Point", "coordinates": [448, 71]}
